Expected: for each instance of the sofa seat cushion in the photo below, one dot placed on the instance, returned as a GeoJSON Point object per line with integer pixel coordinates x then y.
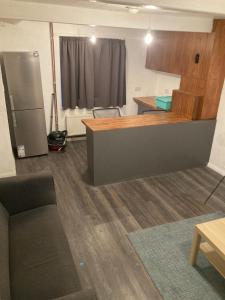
{"type": "Point", "coordinates": [41, 265]}
{"type": "Point", "coordinates": [4, 254]}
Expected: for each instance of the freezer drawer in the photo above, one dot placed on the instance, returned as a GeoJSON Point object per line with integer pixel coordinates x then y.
{"type": "Point", "coordinates": [22, 80]}
{"type": "Point", "coordinates": [30, 132]}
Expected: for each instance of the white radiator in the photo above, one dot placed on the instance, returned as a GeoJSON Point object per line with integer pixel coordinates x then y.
{"type": "Point", "coordinates": [74, 125]}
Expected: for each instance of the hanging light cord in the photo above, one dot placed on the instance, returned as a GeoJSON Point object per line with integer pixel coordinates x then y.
{"type": "Point", "coordinates": [213, 191]}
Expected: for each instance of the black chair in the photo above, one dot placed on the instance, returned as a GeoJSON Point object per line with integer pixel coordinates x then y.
{"type": "Point", "coordinates": [106, 112]}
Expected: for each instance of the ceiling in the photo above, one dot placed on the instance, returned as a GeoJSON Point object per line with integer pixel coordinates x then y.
{"type": "Point", "coordinates": [132, 6]}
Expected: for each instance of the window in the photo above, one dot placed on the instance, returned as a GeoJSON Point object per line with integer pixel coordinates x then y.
{"type": "Point", "coordinates": [92, 75]}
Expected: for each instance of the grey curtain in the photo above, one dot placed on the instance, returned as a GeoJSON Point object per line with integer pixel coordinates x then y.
{"type": "Point", "coordinates": [92, 75]}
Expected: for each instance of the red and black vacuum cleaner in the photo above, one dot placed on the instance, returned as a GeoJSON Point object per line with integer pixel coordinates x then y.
{"type": "Point", "coordinates": [57, 138]}
{"type": "Point", "coordinates": [57, 141]}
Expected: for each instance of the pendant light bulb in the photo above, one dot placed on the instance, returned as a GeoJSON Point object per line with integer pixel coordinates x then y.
{"type": "Point", "coordinates": [148, 38]}
{"type": "Point", "coordinates": [93, 39]}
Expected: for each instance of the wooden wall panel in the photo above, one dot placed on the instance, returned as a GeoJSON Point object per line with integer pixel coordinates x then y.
{"type": "Point", "coordinates": [216, 73]}
{"type": "Point", "coordinates": [186, 104]}
{"type": "Point", "coordinates": [191, 85]}
{"type": "Point", "coordinates": [202, 44]}
{"type": "Point", "coordinates": [212, 98]}
{"type": "Point", "coordinates": [217, 63]}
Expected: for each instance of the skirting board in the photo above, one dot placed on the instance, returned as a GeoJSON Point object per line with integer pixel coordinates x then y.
{"type": "Point", "coordinates": [8, 174]}
{"type": "Point", "coordinates": [216, 169]}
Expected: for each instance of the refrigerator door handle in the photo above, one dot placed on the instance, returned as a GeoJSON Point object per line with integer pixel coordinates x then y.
{"type": "Point", "coordinates": [14, 119]}
{"type": "Point", "coordinates": [11, 102]}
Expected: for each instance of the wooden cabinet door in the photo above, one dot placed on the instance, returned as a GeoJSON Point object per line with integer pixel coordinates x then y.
{"type": "Point", "coordinates": [156, 53]}
{"type": "Point", "coordinates": [172, 57]}
{"type": "Point", "coordinates": [165, 52]}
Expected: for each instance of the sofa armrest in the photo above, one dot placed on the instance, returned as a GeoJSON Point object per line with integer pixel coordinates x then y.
{"type": "Point", "coordinates": [88, 294]}
{"type": "Point", "coordinates": [20, 193]}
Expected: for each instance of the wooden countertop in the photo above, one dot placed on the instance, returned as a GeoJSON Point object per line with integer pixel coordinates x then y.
{"type": "Point", "coordinates": [103, 124]}
{"type": "Point", "coordinates": [147, 101]}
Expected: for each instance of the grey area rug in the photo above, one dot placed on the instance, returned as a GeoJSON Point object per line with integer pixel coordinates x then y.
{"type": "Point", "coordinates": [164, 251]}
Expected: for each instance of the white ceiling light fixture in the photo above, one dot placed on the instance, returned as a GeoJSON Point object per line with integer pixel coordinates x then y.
{"type": "Point", "coordinates": [153, 7]}
{"type": "Point", "coordinates": [93, 39]}
{"type": "Point", "coordinates": [148, 38]}
{"type": "Point", "coordinates": [92, 34]}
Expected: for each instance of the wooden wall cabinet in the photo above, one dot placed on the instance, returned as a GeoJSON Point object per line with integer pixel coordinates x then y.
{"type": "Point", "coordinates": [176, 53]}
{"type": "Point", "coordinates": [165, 52]}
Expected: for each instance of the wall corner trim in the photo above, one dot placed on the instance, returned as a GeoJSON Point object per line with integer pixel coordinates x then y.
{"type": "Point", "coordinates": [216, 169]}
{"type": "Point", "coordinates": [8, 174]}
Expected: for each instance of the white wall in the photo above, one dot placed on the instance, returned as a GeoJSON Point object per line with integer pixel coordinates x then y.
{"type": "Point", "coordinates": [166, 83]}
{"type": "Point", "coordinates": [217, 158]}
{"type": "Point", "coordinates": [7, 162]}
{"type": "Point", "coordinates": [180, 23]}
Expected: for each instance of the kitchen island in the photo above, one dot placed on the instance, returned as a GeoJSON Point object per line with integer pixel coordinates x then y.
{"type": "Point", "coordinates": [138, 146]}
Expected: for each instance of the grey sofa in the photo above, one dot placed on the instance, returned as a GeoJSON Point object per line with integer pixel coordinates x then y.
{"type": "Point", "coordinates": [35, 259]}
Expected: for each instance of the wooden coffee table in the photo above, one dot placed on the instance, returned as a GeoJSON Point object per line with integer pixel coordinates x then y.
{"type": "Point", "coordinates": [209, 237]}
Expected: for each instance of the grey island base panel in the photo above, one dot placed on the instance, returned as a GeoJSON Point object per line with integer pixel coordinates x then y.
{"type": "Point", "coordinates": [117, 155]}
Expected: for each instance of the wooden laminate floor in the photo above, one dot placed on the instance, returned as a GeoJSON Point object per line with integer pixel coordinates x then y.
{"type": "Point", "coordinates": [97, 219]}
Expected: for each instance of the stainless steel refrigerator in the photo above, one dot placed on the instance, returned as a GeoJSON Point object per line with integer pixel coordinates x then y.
{"type": "Point", "coordinates": [24, 101]}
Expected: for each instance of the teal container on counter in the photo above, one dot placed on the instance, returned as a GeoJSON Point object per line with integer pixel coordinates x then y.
{"type": "Point", "coordinates": [164, 102]}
